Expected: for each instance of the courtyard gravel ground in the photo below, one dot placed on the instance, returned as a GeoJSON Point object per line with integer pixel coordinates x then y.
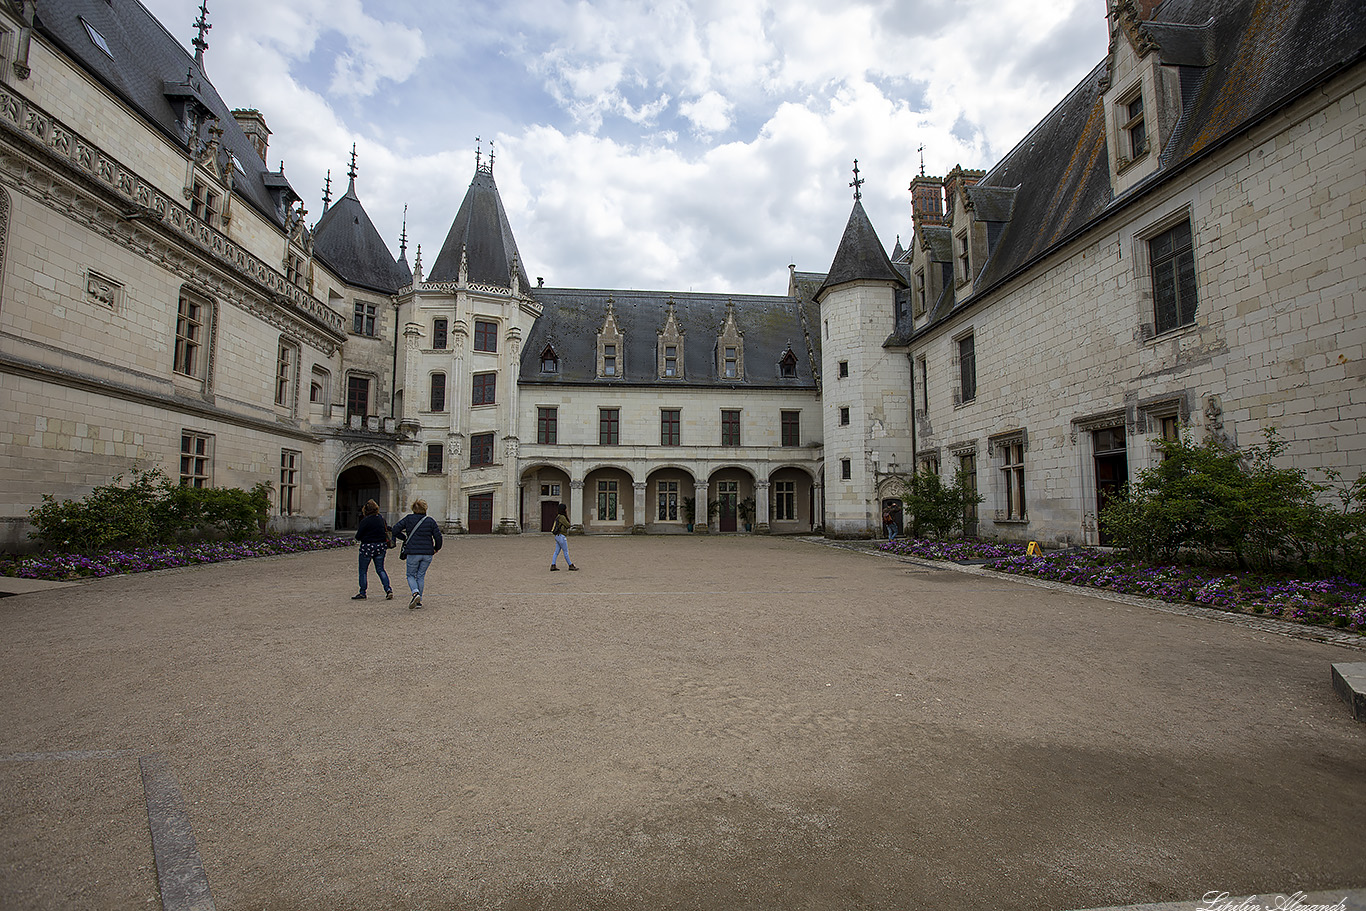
{"type": "Point", "coordinates": [687, 723]}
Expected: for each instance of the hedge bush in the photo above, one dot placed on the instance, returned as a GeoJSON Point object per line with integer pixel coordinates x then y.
{"type": "Point", "coordinates": [149, 509]}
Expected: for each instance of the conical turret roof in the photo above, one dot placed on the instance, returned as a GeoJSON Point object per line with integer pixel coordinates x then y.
{"type": "Point", "coordinates": [481, 231]}
{"type": "Point", "coordinates": [347, 241]}
{"type": "Point", "coordinates": [860, 256]}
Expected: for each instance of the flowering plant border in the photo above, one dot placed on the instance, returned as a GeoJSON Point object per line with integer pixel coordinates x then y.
{"type": "Point", "coordinates": [60, 567]}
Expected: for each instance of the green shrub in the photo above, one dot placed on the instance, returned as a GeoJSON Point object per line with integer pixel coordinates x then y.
{"type": "Point", "coordinates": [933, 508]}
{"type": "Point", "coordinates": [148, 510]}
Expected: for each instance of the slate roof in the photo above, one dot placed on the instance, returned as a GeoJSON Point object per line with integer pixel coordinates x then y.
{"type": "Point", "coordinates": [348, 242]}
{"type": "Point", "coordinates": [1238, 61]}
{"type": "Point", "coordinates": [571, 318]}
{"type": "Point", "coordinates": [482, 231]}
{"type": "Point", "coordinates": [143, 57]}
{"type": "Point", "coordinates": [860, 255]}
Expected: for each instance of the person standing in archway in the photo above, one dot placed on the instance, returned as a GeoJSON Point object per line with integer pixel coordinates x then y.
{"type": "Point", "coordinates": [373, 535]}
{"type": "Point", "coordinates": [421, 540]}
{"type": "Point", "coordinates": [559, 530]}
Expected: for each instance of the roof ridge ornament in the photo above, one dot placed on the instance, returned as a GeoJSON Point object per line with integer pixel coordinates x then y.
{"type": "Point", "coordinates": [351, 171]}
{"type": "Point", "coordinates": [200, 43]}
{"type": "Point", "coordinates": [403, 235]}
{"type": "Point", "coordinates": [327, 190]}
{"type": "Point", "coordinates": [857, 183]}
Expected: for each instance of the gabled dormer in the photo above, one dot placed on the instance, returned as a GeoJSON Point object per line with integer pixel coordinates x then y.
{"type": "Point", "coordinates": [611, 346]}
{"type": "Point", "coordinates": [669, 347]}
{"type": "Point", "coordinates": [730, 348]}
{"type": "Point", "coordinates": [968, 235]}
{"type": "Point", "coordinates": [1142, 86]}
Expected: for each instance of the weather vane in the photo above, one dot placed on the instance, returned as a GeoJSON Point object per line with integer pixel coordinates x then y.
{"type": "Point", "coordinates": [857, 183]}
{"type": "Point", "coordinates": [921, 150]}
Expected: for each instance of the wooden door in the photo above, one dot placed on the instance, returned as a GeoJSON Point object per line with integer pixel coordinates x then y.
{"type": "Point", "coordinates": [729, 494]}
{"type": "Point", "coordinates": [549, 510]}
{"type": "Point", "coordinates": [481, 514]}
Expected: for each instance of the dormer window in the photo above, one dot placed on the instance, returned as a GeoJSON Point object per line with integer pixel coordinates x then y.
{"type": "Point", "coordinates": [203, 203]}
{"type": "Point", "coordinates": [609, 360]}
{"type": "Point", "coordinates": [920, 292]}
{"type": "Point", "coordinates": [1135, 127]}
{"type": "Point", "coordinates": [611, 345]}
{"type": "Point", "coordinates": [294, 268]}
{"type": "Point", "coordinates": [730, 348]}
{"type": "Point", "coordinates": [97, 38]}
{"type": "Point", "coordinates": [550, 361]}
{"type": "Point", "coordinates": [787, 365]}
{"type": "Point", "coordinates": [669, 345]}
{"type": "Point", "coordinates": [671, 360]}
{"type": "Point", "coordinates": [731, 358]}
{"type": "Point", "coordinates": [964, 258]}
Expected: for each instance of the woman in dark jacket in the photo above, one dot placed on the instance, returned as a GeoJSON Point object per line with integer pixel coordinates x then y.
{"type": "Point", "coordinates": [422, 539]}
{"type": "Point", "coordinates": [373, 537]}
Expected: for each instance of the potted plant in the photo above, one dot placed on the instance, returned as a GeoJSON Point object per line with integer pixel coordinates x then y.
{"type": "Point", "coordinates": [745, 509]}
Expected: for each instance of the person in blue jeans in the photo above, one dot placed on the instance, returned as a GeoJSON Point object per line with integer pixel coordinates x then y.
{"type": "Point", "coordinates": [421, 540]}
{"type": "Point", "coordinates": [559, 530]}
{"type": "Point", "coordinates": [373, 535]}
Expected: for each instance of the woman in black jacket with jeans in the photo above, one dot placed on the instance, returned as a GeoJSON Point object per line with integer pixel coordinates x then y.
{"type": "Point", "coordinates": [373, 537]}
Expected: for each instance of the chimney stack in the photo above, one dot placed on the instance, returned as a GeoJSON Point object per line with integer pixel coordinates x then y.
{"type": "Point", "coordinates": [254, 125]}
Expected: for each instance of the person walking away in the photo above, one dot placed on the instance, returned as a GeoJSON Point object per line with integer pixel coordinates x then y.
{"type": "Point", "coordinates": [373, 535]}
{"type": "Point", "coordinates": [560, 529]}
{"type": "Point", "coordinates": [421, 540]}
{"type": "Point", "coordinates": [889, 524]}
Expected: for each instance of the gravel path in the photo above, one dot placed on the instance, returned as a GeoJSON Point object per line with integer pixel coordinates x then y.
{"type": "Point", "coordinates": [687, 723]}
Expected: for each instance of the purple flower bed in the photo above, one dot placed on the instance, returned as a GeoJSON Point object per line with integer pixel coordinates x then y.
{"type": "Point", "coordinates": [60, 567]}
{"type": "Point", "coordinates": [1332, 602]}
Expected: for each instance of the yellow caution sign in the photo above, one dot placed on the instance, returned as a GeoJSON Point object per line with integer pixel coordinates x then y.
{"type": "Point", "coordinates": [1033, 550]}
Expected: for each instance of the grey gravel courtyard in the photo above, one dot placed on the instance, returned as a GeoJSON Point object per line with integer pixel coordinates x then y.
{"type": "Point", "coordinates": [687, 723]}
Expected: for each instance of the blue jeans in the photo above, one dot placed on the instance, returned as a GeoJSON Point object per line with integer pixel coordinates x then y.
{"type": "Point", "coordinates": [375, 552]}
{"type": "Point", "coordinates": [561, 545]}
{"type": "Point", "coordinates": [417, 571]}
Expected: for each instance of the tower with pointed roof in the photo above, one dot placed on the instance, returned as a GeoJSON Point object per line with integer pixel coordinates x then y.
{"type": "Point", "coordinates": [864, 390]}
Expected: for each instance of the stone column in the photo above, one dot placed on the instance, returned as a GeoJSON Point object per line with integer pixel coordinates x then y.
{"type": "Point", "coordinates": [817, 506]}
{"type": "Point", "coordinates": [576, 507]}
{"type": "Point", "coordinates": [642, 513]}
{"type": "Point", "coordinates": [700, 516]}
{"type": "Point", "coordinates": [511, 521]}
{"type": "Point", "coordinates": [412, 344]}
{"type": "Point", "coordinates": [761, 508]}
{"type": "Point", "coordinates": [455, 453]}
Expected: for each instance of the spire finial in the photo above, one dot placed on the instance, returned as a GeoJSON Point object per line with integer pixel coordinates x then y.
{"type": "Point", "coordinates": [857, 183]}
{"type": "Point", "coordinates": [490, 156]}
{"type": "Point", "coordinates": [200, 43]}
{"type": "Point", "coordinates": [327, 190]}
{"type": "Point", "coordinates": [351, 171]}
{"type": "Point", "coordinates": [478, 153]}
{"type": "Point", "coordinates": [921, 150]}
{"type": "Point", "coordinates": [403, 235]}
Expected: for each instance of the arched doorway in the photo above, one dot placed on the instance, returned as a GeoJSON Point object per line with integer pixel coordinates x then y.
{"type": "Point", "coordinates": [355, 485]}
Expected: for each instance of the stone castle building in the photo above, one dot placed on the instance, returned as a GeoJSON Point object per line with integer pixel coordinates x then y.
{"type": "Point", "coordinates": [1177, 247]}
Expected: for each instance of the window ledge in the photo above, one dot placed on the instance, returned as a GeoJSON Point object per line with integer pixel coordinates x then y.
{"type": "Point", "coordinates": [1167, 334]}
{"type": "Point", "coordinates": [1001, 521]}
{"type": "Point", "coordinates": [1124, 164]}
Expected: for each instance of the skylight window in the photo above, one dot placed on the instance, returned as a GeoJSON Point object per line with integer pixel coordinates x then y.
{"type": "Point", "coordinates": [96, 37]}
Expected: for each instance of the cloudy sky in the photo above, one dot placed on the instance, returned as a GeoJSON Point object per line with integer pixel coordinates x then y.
{"type": "Point", "coordinates": [671, 145]}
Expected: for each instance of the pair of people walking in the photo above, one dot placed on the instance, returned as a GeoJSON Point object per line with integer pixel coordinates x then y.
{"type": "Point", "coordinates": [421, 536]}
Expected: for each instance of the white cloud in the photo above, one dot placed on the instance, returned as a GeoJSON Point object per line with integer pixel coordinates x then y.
{"type": "Point", "coordinates": [709, 114]}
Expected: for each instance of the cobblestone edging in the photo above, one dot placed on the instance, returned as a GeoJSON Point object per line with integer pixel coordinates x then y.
{"type": "Point", "coordinates": [1249, 621]}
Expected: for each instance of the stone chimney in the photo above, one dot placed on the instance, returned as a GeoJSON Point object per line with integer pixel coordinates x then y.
{"type": "Point", "coordinates": [254, 125]}
{"type": "Point", "coordinates": [959, 177]}
{"type": "Point", "coordinates": [927, 200]}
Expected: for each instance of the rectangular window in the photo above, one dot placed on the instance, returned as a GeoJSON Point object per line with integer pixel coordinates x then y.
{"type": "Point", "coordinates": [608, 426]}
{"type": "Point", "coordinates": [189, 336]}
{"type": "Point", "coordinates": [671, 360]}
{"type": "Point", "coordinates": [732, 358]}
{"type": "Point", "coordinates": [607, 501]}
{"type": "Point", "coordinates": [439, 331]}
{"type": "Point", "coordinates": [203, 203]}
{"type": "Point", "coordinates": [1172, 257]}
{"type": "Point", "coordinates": [438, 397]}
{"type": "Point", "coordinates": [730, 428]}
{"type": "Point", "coordinates": [357, 396]}
{"type": "Point", "coordinates": [481, 449]}
{"type": "Point", "coordinates": [546, 429]}
{"type": "Point", "coordinates": [1171, 428]}
{"type": "Point", "coordinates": [609, 360]}
{"type": "Point", "coordinates": [791, 428]}
{"type": "Point", "coordinates": [920, 293]}
{"type": "Point", "coordinates": [1135, 127]}
{"type": "Point", "coordinates": [967, 369]}
{"type": "Point", "coordinates": [785, 501]}
{"type": "Point", "coordinates": [365, 318]}
{"type": "Point", "coordinates": [434, 458]}
{"type": "Point", "coordinates": [1013, 479]}
{"type": "Point", "coordinates": [922, 374]}
{"type": "Point", "coordinates": [667, 499]}
{"type": "Point", "coordinates": [964, 260]}
{"type": "Point", "coordinates": [670, 433]}
{"type": "Point", "coordinates": [485, 389]}
{"type": "Point", "coordinates": [196, 459]}
{"type": "Point", "coordinates": [844, 369]}
{"type": "Point", "coordinates": [284, 374]}
{"type": "Point", "coordinates": [294, 268]}
{"type": "Point", "coordinates": [844, 417]}
{"type": "Point", "coordinates": [485, 335]}
{"type": "Point", "coordinates": [289, 481]}
{"type": "Point", "coordinates": [967, 466]}
{"type": "Point", "coordinates": [846, 469]}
